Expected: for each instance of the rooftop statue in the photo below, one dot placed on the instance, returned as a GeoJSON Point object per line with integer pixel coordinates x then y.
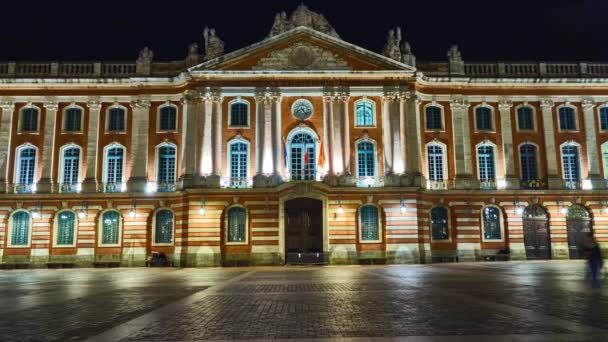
{"type": "Point", "coordinates": [214, 46]}
{"type": "Point", "coordinates": [302, 16]}
{"type": "Point", "coordinates": [398, 49]}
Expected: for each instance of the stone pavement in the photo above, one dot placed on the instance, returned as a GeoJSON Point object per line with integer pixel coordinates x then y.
{"type": "Point", "coordinates": [513, 301]}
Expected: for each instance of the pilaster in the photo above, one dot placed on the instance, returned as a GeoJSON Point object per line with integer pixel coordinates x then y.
{"type": "Point", "coordinates": [554, 181]}
{"type": "Point", "coordinates": [511, 179]}
{"type": "Point", "coordinates": [207, 136]}
{"type": "Point", "coordinates": [217, 134]}
{"type": "Point", "coordinates": [139, 146]}
{"type": "Point", "coordinates": [593, 156]}
{"type": "Point", "coordinates": [259, 132]}
{"type": "Point", "coordinates": [413, 140]}
{"type": "Point", "coordinates": [462, 145]}
{"type": "Point", "coordinates": [190, 139]}
{"type": "Point", "coordinates": [343, 100]}
{"type": "Point", "coordinates": [6, 124]}
{"type": "Point", "coordinates": [90, 180]}
{"type": "Point", "coordinates": [45, 185]}
{"type": "Point", "coordinates": [328, 114]}
{"type": "Point", "coordinates": [276, 133]}
{"type": "Point", "coordinates": [387, 141]}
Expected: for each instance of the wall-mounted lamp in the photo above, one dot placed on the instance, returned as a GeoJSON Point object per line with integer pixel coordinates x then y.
{"type": "Point", "coordinates": [37, 212]}
{"type": "Point", "coordinates": [340, 210]}
{"type": "Point", "coordinates": [132, 211]}
{"type": "Point", "coordinates": [519, 210]}
{"type": "Point", "coordinates": [562, 208]}
{"type": "Point", "coordinates": [201, 210]}
{"type": "Point", "coordinates": [403, 207]}
{"type": "Point", "coordinates": [82, 213]}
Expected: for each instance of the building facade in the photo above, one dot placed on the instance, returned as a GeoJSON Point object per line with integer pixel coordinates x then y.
{"type": "Point", "coordinates": [301, 148]}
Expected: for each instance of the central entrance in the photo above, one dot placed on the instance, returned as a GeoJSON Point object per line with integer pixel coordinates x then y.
{"type": "Point", "coordinates": [304, 231]}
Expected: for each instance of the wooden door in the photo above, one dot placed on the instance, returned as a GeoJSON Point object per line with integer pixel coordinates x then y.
{"type": "Point", "coordinates": [536, 239]}
{"type": "Point", "coordinates": [303, 226]}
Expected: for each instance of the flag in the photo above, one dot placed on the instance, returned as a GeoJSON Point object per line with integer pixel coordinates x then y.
{"type": "Point", "coordinates": [284, 154]}
{"type": "Point", "coordinates": [321, 163]}
{"type": "Point", "coordinates": [306, 157]}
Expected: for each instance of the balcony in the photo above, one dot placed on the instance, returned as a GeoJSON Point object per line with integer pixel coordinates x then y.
{"type": "Point", "coordinates": [24, 188]}
{"type": "Point", "coordinates": [69, 188]}
{"type": "Point", "coordinates": [533, 184]}
{"type": "Point", "coordinates": [572, 185]}
{"type": "Point", "coordinates": [166, 187]}
{"type": "Point", "coordinates": [488, 185]}
{"type": "Point", "coordinates": [369, 182]}
{"type": "Point", "coordinates": [236, 182]}
{"type": "Point", "coordinates": [438, 184]}
{"type": "Point", "coordinates": [113, 187]}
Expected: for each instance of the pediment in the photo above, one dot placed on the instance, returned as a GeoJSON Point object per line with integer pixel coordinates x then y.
{"type": "Point", "coordinates": [302, 49]}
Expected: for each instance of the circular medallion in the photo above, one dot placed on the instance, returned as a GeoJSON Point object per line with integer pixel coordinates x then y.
{"type": "Point", "coordinates": [302, 109]}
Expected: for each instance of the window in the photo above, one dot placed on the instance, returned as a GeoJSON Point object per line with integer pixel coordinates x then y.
{"type": "Point", "coordinates": [72, 120]}
{"type": "Point", "coordinates": [604, 118]}
{"type": "Point", "coordinates": [370, 227]}
{"type": "Point", "coordinates": [168, 118]}
{"type": "Point", "coordinates": [433, 118]}
{"type": "Point", "coordinates": [529, 164]}
{"type": "Point", "coordinates": [525, 118]}
{"type": "Point", "coordinates": [65, 228]}
{"type": "Point", "coordinates": [570, 163]}
{"type": "Point", "coordinates": [116, 120]}
{"type": "Point", "coordinates": [114, 169]}
{"type": "Point", "coordinates": [239, 156]}
{"type": "Point", "coordinates": [239, 114]}
{"type": "Point", "coordinates": [29, 120]}
{"type": "Point", "coordinates": [605, 159]}
{"type": "Point", "coordinates": [110, 227]}
{"type": "Point", "coordinates": [435, 163]}
{"type": "Point", "coordinates": [26, 169]}
{"type": "Point", "coordinates": [20, 230]}
{"type": "Point", "coordinates": [567, 118]}
{"type": "Point", "coordinates": [303, 166]}
{"type": "Point", "coordinates": [236, 227]}
{"type": "Point", "coordinates": [485, 163]}
{"type": "Point", "coordinates": [483, 118]}
{"type": "Point", "coordinates": [366, 159]}
{"type": "Point", "coordinates": [69, 169]}
{"type": "Point", "coordinates": [491, 223]}
{"type": "Point", "coordinates": [163, 230]}
{"type": "Point", "coordinates": [439, 224]}
{"type": "Point", "coordinates": [166, 168]}
{"type": "Point", "coordinates": [364, 114]}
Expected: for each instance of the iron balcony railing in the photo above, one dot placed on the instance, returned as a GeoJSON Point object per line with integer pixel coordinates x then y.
{"type": "Point", "coordinates": [488, 185]}
{"type": "Point", "coordinates": [438, 184]}
{"type": "Point", "coordinates": [69, 188]}
{"type": "Point", "coordinates": [166, 187]}
{"type": "Point", "coordinates": [23, 188]}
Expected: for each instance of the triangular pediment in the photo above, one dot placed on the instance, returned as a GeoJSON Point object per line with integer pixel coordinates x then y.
{"type": "Point", "coordinates": [302, 49]}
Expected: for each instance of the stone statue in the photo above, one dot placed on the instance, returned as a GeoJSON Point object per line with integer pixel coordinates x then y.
{"type": "Point", "coordinates": [302, 16]}
{"type": "Point", "coordinates": [193, 56]}
{"type": "Point", "coordinates": [392, 46]}
{"type": "Point", "coordinates": [145, 56]}
{"type": "Point", "coordinates": [214, 46]}
{"type": "Point", "coordinates": [407, 57]}
{"type": "Point", "coordinates": [454, 54]}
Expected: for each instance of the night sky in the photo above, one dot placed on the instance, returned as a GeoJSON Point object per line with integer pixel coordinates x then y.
{"type": "Point", "coordinates": [485, 30]}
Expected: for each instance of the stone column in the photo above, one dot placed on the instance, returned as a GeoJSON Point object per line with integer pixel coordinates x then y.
{"type": "Point", "coordinates": [207, 137]}
{"type": "Point", "coordinates": [90, 179]}
{"type": "Point", "coordinates": [387, 141]}
{"type": "Point", "coordinates": [345, 133]}
{"type": "Point", "coordinates": [462, 145]}
{"type": "Point", "coordinates": [413, 140]}
{"type": "Point", "coordinates": [259, 133]}
{"type": "Point", "coordinates": [277, 147]}
{"type": "Point", "coordinates": [593, 155]}
{"type": "Point", "coordinates": [328, 114]}
{"type": "Point", "coordinates": [267, 154]}
{"type": "Point", "coordinates": [45, 184]}
{"type": "Point", "coordinates": [190, 139]}
{"type": "Point", "coordinates": [217, 135]}
{"type": "Point", "coordinates": [6, 125]}
{"type": "Point", "coordinates": [554, 181]}
{"type": "Point", "coordinates": [403, 151]}
{"type": "Point", "coordinates": [510, 174]}
{"type": "Point", "coordinates": [139, 146]}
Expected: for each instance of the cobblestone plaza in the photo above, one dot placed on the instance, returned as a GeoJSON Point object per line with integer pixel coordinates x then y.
{"type": "Point", "coordinates": [535, 301]}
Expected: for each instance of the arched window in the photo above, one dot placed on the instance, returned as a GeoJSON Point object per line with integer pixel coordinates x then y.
{"type": "Point", "coordinates": [114, 165]}
{"type": "Point", "coordinates": [238, 164]}
{"type": "Point", "coordinates": [20, 229]}
{"type": "Point", "coordinates": [303, 166]}
{"type": "Point", "coordinates": [435, 163]}
{"type": "Point", "coordinates": [525, 118]}
{"type": "Point", "coordinates": [70, 166]}
{"type": "Point", "coordinates": [604, 118]}
{"type": "Point", "coordinates": [236, 228]}
{"type": "Point", "coordinates": [366, 159]}
{"type": "Point", "coordinates": [364, 114]}
{"type": "Point", "coordinates": [433, 118]}
{"type": "Point", "coordinates": [29, 120]}
{"type": "Point", "coordinates": [116, 119]}
{"type": "Point", "coordinates": [570, 164]}
{"type": "Point", "coordinates": [239, 114]}
{"type": "Point", "coordinates": [439, 224]}
{"type": "Point", "coordinates": [369, 223]}
{"type": "Point", "coordinates": [168, 118]}
{"type": "Point", "coordinates": [166, 168]}
{"type": "Point", "coordinates": [66, 224]}
{"type": "Point", "coordinates": [485, 163]}
{"type": "Point", "coordinates": [163, 230]}
{"type": "Point", "coordinates": [483, 118]}
{"type": "Point", "coordinates": [26, 169]}
{"type": "Point", "coordinates": [73, 120]}
{"type": "Point", "coordinates": [529, 163]}
{"type": "Point", "coordinates": [567, 118]}
{"type": "Point", "coordinates": [110, 227]}
{"type": "Point", "coordinates": [491, 223]}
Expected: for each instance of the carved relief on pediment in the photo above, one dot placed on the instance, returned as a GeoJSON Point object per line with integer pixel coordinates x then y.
{"type": "Point", "coordinates": [302, 56]}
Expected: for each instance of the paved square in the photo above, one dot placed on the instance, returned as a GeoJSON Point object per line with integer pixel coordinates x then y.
{"type": "Point", "coordinates": [539, 301]}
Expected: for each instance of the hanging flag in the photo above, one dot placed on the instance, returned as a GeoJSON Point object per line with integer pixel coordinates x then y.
{"type": "Point", "coordinates": [306, 157]}
{"type": "Point", "coordinates": [321, 163]}
{"type": "Point", "coordinates": [284, 154]}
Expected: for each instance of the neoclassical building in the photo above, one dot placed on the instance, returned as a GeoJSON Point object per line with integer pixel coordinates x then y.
{"type": "Point", "coordinates": [300, 148]}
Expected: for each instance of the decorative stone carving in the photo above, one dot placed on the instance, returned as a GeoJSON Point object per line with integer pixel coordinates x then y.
{"type": "Point", "coordinates": [392, 47]}
{"type": "Point", "coordinates": [302, 16]}
{"type": "Point", "coordinates": [302, 56]}
{"type": "Point", "coordinates": [193, 56]}
{"type": "Point", "coordinates": [143, 65]}
{"type": "Point", "coordinates": [455, 61]}
{"type": "Point", "coordinates": [214, 46]}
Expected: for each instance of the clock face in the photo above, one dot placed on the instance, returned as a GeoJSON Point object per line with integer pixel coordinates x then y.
{"type": "Point", "coordinates": [302, 109]}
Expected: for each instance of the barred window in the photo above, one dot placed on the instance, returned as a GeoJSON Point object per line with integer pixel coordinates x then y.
{"type": "Point", "coordinates": [29, 120]}
{"type": "Point", "coordinates": [236, 225]}
{"type": "Point", "coordinates": [66, 222]}
{"type": "Point", "coordinates": [116, 120]}
{"type": "Point", "coordinates": [21, 229]}
{"type": "Point", "coordinates": [370, 227]}
{"type": "Point", "coordinates": [110, 221]}
{"type": "Point", "coordinates": [525, 118]}
{"type": "Point", "coordinates": [366, 159]}
{"type": "Point", "coordinates": [364, 114]}
{"type": "Point", "coordinates": [72, 120]}
{"type": "Point", "coordinates": [567, 118]}
{"type": "Point", "coordinates": [491, 223]}
{"type": "Point", "coordinates": [239, 114]}
{"type": "Point", "coordinates": [164, 227]}
{"type": "Point", "coordinates": [168, 118]}
{"type": "Point", "coordinates": [433, 118]}
{"type": "Point", "coordinates": [483, 117]}
{"type": "Point", "coordinates": [439, 224]}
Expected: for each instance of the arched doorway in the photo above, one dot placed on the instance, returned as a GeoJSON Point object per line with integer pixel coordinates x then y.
{"type": "Point", "coordinates": [578, 224]}
{"type": "Point", "coordinates": [536, 233]}
{"type": "Point", "coordinates": [303, 230]}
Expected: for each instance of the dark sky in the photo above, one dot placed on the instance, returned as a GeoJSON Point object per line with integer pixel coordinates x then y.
{"type": "Point", "coordinates": [485, 30]}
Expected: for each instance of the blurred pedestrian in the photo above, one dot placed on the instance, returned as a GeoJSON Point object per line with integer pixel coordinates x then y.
{"type": "Point", "coordinates": [594, 259]}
